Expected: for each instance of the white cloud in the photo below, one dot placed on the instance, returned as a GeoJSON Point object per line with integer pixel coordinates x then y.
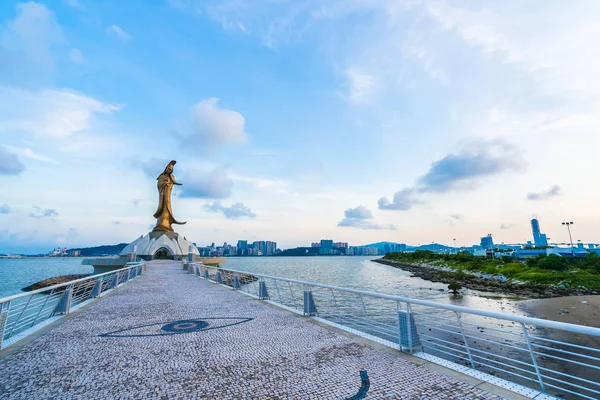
{"type": "Point", "coordinates": [234, 211]}
{"type": "Point", "coordinates": [27, 41]}
{"type": "Point", "coordinates": [49, 113]}
{"type": "Point", "coordinates": [31, 154]}
{"type": "Point", "coordinates": [76, 56]}
{"type": "Point", "coordinates": [214, 127]}
{"type": "Point", "coordinates": [115, 30]}
{"type": "Point", "coordinates": [213, 184]}
{"type": "Point", "coordinates": [359, 87]}
{"type": "Point", "coordinates": [360, 217]}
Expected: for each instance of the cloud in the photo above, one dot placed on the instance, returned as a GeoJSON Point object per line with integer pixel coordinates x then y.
{"type": "Point", "coordinates": [43, 213]}
{"type": "Point", "coordinates": [31, 154]}
{"type": "Point", "coordinates": [5, 209]}
{"type": "Point", "coordinates": [360, 212]}
{"type": "Point", "coordinates": [49, 113]}
{"type": "Point", "coordinates": [359, 87]}
{"type": "Point", "coordinates": [546, 195]}
{"type": "Point", "coordinates": [10, 163]}
{"type": "Point", "coordinates": [115, 222]}
{"type": "Point", "coordinates": [213, 184]}
{"type": "Point", "coordinates": [359, 217]}
{"type": "Point", "coordinates": [74, 3]}
{"type": "Point", "coordinates": [214, 127]}
{"type": "Point", "coordinates": [76, 56]}
{"type": "Point", "coordinates": [26, 42]}
{"type": "Point", "coordinates": [457, 217]}
{"type": "Point", "coordinates": [117, 31]}
{"type": "Point", "coordinates": [474, 161]}
{"type": "Point", "coordinates": [235, 211]}
{"type": "Point", "coordinates": [151, 168]}
{"type": "Point", "coordinates": [504, 226]}
{"type": "Point", "coordinates": [403, 200]}
{"type": "Point", "coordinates": [136, 202]}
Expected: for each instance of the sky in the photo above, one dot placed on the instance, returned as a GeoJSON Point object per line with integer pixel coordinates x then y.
{"type": "Point", "coordinates": [298, 120]}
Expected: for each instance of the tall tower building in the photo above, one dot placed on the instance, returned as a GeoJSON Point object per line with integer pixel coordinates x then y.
{"type": "Point", "coordinates": [539, 239]}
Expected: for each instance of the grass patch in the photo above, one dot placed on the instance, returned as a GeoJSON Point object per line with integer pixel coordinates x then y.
{"type": "Point", "coordinates": [547, 270]}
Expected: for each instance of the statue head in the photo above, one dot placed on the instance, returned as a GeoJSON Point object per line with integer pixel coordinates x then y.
{"type": "Point", "coordinates": [169, 168]}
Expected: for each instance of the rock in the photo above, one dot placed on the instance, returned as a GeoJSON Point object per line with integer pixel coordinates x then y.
{"type": "Point", "coordinates": [53, 281]}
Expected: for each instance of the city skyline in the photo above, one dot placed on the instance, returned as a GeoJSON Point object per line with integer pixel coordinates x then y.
{"type": "Point", "coordinates": [412, 122]}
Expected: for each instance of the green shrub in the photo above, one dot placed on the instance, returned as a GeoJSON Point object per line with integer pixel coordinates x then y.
{"type": "Point", "coordinates": [554, 263]}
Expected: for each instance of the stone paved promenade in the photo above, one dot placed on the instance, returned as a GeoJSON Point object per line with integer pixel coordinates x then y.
{"type": "Point", "coordinates": [120, 348]}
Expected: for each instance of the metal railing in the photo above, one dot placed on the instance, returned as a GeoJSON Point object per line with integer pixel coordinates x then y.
{"type": "Point", "coordinates": [23, 314]}
{"type": "Point", "coordinates": [542, 357]}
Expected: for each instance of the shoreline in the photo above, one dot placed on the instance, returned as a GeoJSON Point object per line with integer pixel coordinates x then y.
{"type": "Point", "coordinates": [529, 290]}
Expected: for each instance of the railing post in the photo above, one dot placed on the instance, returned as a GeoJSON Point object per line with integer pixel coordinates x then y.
{"type": "Point", "coordinates": [535, 364]}
{"type": "Point", "coordinates": [115, 281]}
{"type": "Point", "coordinates": [262, 290]}
{"type": "Point", "coordinates": [206, 275]}
{"type": "Point", "coordinates": [197, 270]}
{"type": "Point", "coordinates": [97, 290]}
{"type": "Point", "coordinates": [132, 274]}
{"type": "Point", "coordinates": [409, 336]}
{"type": "Point", "coordinates": [190, 268]}
{"type": "Point", "coordinates": [462, 332]}
{"type": "Point", "coordinates": [310, 307]}
{"type": "Point", "coordinates": [190, 256]}
{"type": "Point", "coordinates": [236, 282]}
{"type": "Point", "coordinates": [64, 305]}
{"type": "Point", "coordinates": [139, 270]}
{"type": "Point", "coordinates": [3, 320]}
{"type": "Point", "coordinates": [218, 277]}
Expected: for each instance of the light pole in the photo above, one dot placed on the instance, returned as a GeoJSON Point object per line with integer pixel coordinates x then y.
{"type": "Point", "coordinates": [568, 224]}
{"type": "Point", "coordinates": [454, 245]}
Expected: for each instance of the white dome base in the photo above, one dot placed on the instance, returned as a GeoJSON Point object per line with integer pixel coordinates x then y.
{"type": "Point", "coordinates": [161, 245]}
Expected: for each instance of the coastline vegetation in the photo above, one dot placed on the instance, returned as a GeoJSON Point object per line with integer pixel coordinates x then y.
{"type": "Point", "coordinates": [547, 270]}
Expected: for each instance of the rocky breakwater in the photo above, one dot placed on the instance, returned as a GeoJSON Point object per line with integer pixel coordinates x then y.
{"type": "Point", "coordinates": [486, 283]}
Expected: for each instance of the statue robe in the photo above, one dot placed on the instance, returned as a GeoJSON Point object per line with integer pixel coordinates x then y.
{"type": "Point", "coordinates": [164, 213]}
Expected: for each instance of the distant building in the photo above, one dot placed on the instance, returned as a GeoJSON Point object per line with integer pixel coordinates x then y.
{"type": "Point", "coordinates": [539, 239]}
{"type": "Point", "coordinates": [315, 244]}
{"type": "Point", "coordinates": [242, 248]}
{"type": "Point", "coordinates": [487, 242]}
{"type": "Point", "coordinates": [326, 247]}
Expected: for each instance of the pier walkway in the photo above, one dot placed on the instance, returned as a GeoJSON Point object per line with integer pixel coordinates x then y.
{"type": "Point", "coordinates": [129, 345]}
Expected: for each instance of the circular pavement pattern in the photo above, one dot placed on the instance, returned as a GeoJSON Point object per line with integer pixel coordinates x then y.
{"type": "Point", "coordinates": [185, 326]}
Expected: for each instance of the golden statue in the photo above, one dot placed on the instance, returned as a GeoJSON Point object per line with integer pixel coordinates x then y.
{"type": "Point", "coordinates": [164, 214]}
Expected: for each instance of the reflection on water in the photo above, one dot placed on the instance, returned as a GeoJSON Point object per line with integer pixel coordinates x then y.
{"type": "Point", "coordinates": [363, 274]}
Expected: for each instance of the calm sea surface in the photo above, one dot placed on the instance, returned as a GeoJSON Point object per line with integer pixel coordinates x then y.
{"type": "Point", "coordinates": [16, 274]}
{"type": "Point", "coordinates": [352, 272]}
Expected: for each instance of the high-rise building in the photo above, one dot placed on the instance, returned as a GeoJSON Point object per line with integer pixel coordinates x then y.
{"type": "Point", "coordinates": [326, 247]}
{"type": "Point", "coordinates": [487, 242]}
{"type": "Point", "coordinates": [539, 239]}
{"type": "Point", "coordinates": [242, 248]}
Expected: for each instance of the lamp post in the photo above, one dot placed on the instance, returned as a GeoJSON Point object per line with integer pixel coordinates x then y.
{"type": "Point", "coordinates": [455, 246]}
{"type": "Point", "coordinates": [568, 224]}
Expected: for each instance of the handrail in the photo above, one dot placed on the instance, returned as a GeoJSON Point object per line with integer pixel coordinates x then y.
{"type": "Point", "coordinates": [502, 349]}
{"type": "Point", "coordinates": [25, 313]}
{"type": "Point", "coordinates": [586, 330]}
{"type": "Point", "coordinates": [45, 289]}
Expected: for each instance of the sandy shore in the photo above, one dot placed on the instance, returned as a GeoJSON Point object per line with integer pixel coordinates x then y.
{"type": "Point", "coordinates": [580, 310]}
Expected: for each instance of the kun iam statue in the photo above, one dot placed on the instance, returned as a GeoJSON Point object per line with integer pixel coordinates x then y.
{"type": "Point", "coordinates": [164, 213]}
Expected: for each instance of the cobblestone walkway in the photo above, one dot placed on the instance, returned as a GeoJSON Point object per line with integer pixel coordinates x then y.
{"type": "Point", "coordinates": [119, 348]}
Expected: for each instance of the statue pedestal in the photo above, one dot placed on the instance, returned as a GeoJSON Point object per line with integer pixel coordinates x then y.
{"type": "Point", "coordinates": [161, 245]}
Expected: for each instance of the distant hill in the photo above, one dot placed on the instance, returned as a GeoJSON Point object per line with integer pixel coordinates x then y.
{"type": "Point", "coordinates": [105, 250]}
{"type": "Point", "coordinates": [381, 245]}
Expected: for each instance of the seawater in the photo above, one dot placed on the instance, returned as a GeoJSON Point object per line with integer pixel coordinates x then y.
{"type": "Point", "coordinates": [18, 273]}
{"type": "Point", "coordinates": [352, 272]}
